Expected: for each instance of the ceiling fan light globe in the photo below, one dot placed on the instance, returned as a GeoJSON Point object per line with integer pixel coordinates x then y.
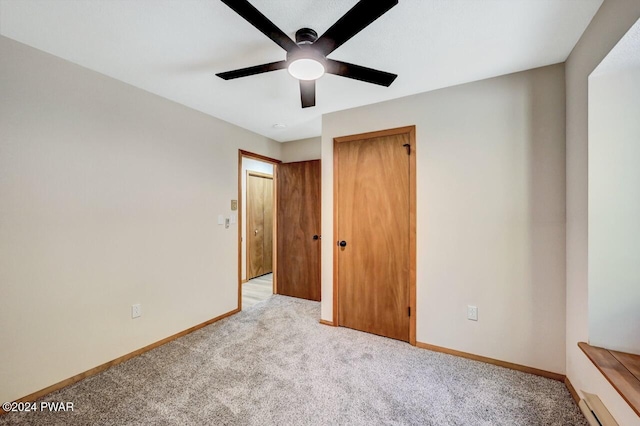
{"type": "Point", "coordinates": [306, 69]}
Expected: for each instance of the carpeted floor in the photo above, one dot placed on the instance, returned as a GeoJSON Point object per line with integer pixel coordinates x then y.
{"type": "Point", "coordinates": [275, 364]}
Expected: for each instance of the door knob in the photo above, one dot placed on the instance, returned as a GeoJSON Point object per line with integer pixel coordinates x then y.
{"type": "Point", "coordinates": [342, 243]}
{"type": "Point", "coordinates": [255, 232]}
{"type": "Point", "coordinates": [316, 237]}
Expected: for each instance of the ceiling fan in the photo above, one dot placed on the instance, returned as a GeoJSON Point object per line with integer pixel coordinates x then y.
{"type": "Point", "coordinates": [306, 58]}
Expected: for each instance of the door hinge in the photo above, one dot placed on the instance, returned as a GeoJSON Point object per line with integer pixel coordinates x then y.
{"type": "Point", "coordinates": [408, 146]}
{"type": "Point", "coordinates": [409, 310]}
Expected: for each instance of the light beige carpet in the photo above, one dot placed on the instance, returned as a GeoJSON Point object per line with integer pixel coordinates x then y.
{"type": "Point", "coordinates": [274, 364]}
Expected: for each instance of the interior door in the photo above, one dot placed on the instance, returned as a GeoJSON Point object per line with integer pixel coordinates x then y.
{"type": "Point", "coordinates": [298, 228]}
{"type": "Point", "coordinates": [373, 230]}
{"type": "Point", "coordinates": [267, 226]}
{"type": "Point", "coordinates": [259, 224]}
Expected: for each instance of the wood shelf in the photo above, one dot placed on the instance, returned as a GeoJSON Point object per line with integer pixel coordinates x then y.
{"type": "Point", "coordinates": [622, 370]}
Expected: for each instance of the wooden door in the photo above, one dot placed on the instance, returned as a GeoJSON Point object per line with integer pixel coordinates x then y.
{"type": "Point", "coordinates": [267, 226]}
{"type": "Point", "coordinates": [259, 224]}
{"type": "Point", "coordinates": [299, 229]}
{"type": "Point", "coordinates": [374, 226]}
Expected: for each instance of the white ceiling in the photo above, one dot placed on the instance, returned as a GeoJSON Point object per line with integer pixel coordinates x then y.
{"type": "Point", "coordinates": [173, 48]}
{"type": "Point", "coordinates": [625, 56]}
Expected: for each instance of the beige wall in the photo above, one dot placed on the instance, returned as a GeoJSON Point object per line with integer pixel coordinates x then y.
{"type": "Point", "coordinates": [109, 196]}
{"type": "Point", "coordinates": [301, 150]}
{"type": "Point", "coordinates": [611, 22]}
{"type": "Point", "coordinates": [490, 212]}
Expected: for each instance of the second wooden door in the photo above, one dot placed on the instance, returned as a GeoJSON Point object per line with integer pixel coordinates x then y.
{"type": "Point", "coordinates": [299, 229]}
{"type": "Point", "coordinates": [259, 224]}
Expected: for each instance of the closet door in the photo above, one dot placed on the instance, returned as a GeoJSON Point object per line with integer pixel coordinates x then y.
{"type": "Point", "coordinates": [259, 224]}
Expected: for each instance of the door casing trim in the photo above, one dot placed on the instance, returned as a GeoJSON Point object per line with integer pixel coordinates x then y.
{"type": "Point", "coordinates": [411, 131]}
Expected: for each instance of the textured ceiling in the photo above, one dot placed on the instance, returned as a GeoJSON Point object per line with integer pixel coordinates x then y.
{"type": "Point", "coordinates": [625, 56]}
{"type": "Point", "coordinates": [173, 48]}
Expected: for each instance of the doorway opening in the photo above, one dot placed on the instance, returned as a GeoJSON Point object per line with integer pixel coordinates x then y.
{"type": "Point", "coordinates": [257, 238]}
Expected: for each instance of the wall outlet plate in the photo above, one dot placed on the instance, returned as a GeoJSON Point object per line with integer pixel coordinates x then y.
{"type": "Point", "coordinates": [472, 313]}
{"type": "Point", "coordinates": [136, 310]}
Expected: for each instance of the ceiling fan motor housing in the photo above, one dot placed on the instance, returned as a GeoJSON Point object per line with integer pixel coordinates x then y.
{"type": "Point", "coordinates": [306, 51]}
{"type": "Point", "coordinates": [306, 36]}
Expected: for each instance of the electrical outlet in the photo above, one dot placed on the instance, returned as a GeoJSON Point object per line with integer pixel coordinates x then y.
{"type": "Point", "coordinates": [472, 313]}
{"type": "Point", "coordinates": [136, 310]}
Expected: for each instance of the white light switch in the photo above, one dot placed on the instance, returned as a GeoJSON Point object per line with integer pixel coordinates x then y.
{"type": "Point", "coordinates": [220, 219]}
{"type": "Point", "coordinates": [233, 218]}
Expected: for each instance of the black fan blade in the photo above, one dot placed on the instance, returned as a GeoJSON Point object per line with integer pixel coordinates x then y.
{"type": "Point", "coordinates": [354, 21]}
{"type": "Point", "coordinates": [258, 69]}
{"type": "Point", "coordinates": [361, 73]}
{"type": "Point", "coordinates": [262, 23]}
{"type": "Point", "coordinates": [308, 93]}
